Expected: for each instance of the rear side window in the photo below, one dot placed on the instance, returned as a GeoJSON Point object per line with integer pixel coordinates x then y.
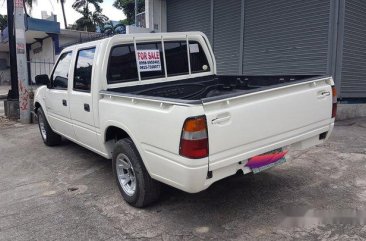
{"type": "Point", "coordinates": [199, 62]}
{"type": "Point", "coordinates": [176, 58]}
{"type": "Point", "coordinates": [60, 75]}
{"type": "Point", "coordinates": [122, 64]}
{"type": "Point", "coordinates": [83, 69]}
{"type": "Point", "coordinates": [150, 60]}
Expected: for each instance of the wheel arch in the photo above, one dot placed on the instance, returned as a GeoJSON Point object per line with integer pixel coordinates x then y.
{"type": "Point", "coordinates": [113, 133]}
{"type": "Point", "coordinates": [37, 105]}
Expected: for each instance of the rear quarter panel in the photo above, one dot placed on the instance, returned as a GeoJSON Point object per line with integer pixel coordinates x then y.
{"type": "Point", "coordinates": [155, 128]}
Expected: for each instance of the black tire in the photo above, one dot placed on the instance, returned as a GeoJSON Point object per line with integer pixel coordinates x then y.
{"type": "Point", "coordinates": [50, 138]}
{"type": "Point", "coordinates": [147, 190]}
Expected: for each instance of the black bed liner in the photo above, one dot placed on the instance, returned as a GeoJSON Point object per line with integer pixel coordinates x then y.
{"type": "Point", "coordinates": [207, 88]}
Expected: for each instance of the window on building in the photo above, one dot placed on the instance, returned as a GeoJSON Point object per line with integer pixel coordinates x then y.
{"type": "Point", "coordinates": [150, 60]}
{"type": "Point", "coordinates": [176, 58]}
{"type": "Point", "coordinates": [122, 64]}
{"type": "Point", "coordinates": [199, 62]}
{"type": "Point", "coordinates": [83, 69]}
{"type": "Point", "coordinates": [60, 75]}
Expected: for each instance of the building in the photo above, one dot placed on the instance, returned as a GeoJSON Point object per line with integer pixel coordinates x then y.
{"type": "Point", "coordinates": [45, 40]}
{"type": "Point", "coordinates": [284, 37]}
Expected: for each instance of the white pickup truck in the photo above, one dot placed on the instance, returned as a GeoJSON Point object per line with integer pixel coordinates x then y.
{"type": "Point", "coordinates": [154, 105]}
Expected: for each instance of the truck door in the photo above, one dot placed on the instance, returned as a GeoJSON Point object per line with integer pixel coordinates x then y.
{"type": "Point", "coordinates": [81, 98]}
{"type": "Point", "coordinates": [57, 97]}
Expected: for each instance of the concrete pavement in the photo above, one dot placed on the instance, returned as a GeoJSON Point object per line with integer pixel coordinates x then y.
{"type": "Point", "coordinates": [68, 193]}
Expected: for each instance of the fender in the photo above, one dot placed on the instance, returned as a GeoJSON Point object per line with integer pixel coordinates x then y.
{"type": "Point", "coordinates": [39, 97]}
{"type": "Point", "coordinates": [111, 123]}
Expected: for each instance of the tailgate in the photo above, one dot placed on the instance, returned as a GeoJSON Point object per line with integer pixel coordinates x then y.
{"type": "Point", "coordinates": [244, 126]}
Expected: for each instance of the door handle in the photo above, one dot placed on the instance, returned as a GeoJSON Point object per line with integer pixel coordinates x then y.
{"type": "Point", "coordinates": [323, 94]}
{"type": "Point", "coordinates": [64, 102]}
{"type": "Point", "coordinates": [87, 107]}
{"type": "Point", "coordinates": [220, 120]}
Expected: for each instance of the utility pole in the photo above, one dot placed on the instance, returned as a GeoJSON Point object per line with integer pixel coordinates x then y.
{"type": "Point", "coordinates": [136, 13]}
{"type": "Point", "coordinates": [13, 93]}
{"type": "Point", "coordinates": [23, 84]}
{"type": "Point", "coordinates": [63, 12]}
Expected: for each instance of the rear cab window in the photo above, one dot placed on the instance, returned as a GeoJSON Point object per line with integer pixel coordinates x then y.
{"type": "Point", "coordinates": [142, 61]}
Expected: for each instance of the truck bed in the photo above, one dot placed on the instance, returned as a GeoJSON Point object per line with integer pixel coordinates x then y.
{"type": "Point", "coordinates": [209, 88]}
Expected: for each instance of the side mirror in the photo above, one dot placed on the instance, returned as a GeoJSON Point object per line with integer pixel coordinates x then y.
{"type": "Point", "coordinates": [42, 79]}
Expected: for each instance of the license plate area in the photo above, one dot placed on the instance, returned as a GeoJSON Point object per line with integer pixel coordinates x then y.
{"type": "Point", "coordinates": [266, 161]}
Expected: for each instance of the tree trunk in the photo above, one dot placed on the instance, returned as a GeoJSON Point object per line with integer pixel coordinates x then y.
{"type": "Point", "coordinates": [63, 13]}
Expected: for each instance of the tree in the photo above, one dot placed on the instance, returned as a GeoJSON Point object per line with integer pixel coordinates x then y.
{"type": "Point", "coordinates": [3, 22]}
{"type": "Point", "coordinates": [28, 4]}
{"type": "Point", "coordinates": [128, 8]}
{"type": "Point", "coordinates": [90, 19]}
{"type": "Point", "coordinates": [63, 11]}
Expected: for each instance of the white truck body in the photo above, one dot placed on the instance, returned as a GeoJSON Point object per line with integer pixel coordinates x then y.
{"type": "Point", "coordinates": [239, 125]}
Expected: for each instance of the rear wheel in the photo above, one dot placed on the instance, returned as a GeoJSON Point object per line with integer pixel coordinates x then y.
{"type": "Point", "coordinates": [49, 137]}
{"type": "Point", "coordinates": [136, 186]}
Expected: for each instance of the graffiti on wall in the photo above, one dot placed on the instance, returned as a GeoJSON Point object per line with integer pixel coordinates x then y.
{"type": "Point", "coordinates": [23, 96]}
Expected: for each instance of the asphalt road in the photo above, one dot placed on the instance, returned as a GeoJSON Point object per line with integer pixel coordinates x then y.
{"type": "Point", "coordinates": [68, 193]}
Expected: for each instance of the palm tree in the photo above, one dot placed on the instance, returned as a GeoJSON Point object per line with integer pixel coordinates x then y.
{"type": "Point", "coordinates": [63, 11]}
{"type": "Point", "coordinates": [28, 4]}
{"type": "Point", "coordinates": [85, 4]}
{"type": "Point", "coordinates": [89, 19]}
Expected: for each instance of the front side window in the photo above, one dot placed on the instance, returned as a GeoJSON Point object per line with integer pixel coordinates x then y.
{"type": "Point", "coordinates": [83, 69]}
{"type": "Point", "coordinates": [176, 58]}
{"type": "Point", "coordinates": [60, 75]}
{"type": "Point", "coordinates": [150, 60]}
{"type": "Point", "coordinates": [122, 64]}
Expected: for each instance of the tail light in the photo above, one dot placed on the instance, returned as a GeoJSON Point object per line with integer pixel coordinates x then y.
{"type": "Point", "coordinates": [334, 107]}
{"type": "Point", "coordinates": [194, 138]}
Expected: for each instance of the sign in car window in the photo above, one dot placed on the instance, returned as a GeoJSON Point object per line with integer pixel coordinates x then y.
{"type": "Point", "coordinates": [149, 60]}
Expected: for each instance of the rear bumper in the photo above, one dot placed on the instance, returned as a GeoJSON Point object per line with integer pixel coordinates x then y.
{"type": "Point", "coordinates": [195, 179]}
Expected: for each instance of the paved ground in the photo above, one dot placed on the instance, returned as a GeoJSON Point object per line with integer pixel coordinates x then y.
{"type": "Point", "coordinates": [302, 199]}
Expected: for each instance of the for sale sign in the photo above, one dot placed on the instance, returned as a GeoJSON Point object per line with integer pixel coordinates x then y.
{"type": "Point", "coordinates": [149, 60]}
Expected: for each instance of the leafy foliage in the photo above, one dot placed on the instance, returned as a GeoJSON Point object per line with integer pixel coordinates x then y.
{"type": "Point", "coordinates": [111, 28]}
{"type": "Point", "coordinates": [128, 8]}
{"type": "Point", "coordinates": [90, 19]}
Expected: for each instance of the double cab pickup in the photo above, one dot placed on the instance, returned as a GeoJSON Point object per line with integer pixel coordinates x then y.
{"type": "Point", "coordinates": [154, 104]}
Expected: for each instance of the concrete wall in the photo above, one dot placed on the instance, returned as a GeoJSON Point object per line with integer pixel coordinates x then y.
{"type": "Point", "coordinates": [156, 15]}
{"type": "Point", "coordinates": [42, 62]}
{"type": "Point", "coordinates": [348, 111]}
{"type": "Point", "coordinates": [132, 29]}
{"type": "Point", "coordinates": [66, 40]}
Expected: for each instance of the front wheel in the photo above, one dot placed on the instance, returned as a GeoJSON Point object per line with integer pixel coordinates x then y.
{"type": "Point", "coordinates": [134, 182]}
{"type": "Point", "coordinates": [49, 137]}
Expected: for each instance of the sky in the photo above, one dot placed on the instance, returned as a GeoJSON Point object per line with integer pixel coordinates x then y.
{"type": "Point", "coordinates": [71, 15]}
